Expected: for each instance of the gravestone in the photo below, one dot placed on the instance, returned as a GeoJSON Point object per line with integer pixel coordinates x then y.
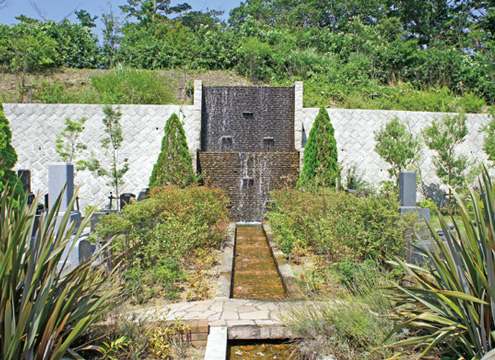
{"type": "Point", "coordinates": [142, 194]}
{"type": "Point", "coordinates": [60, 175]}
{"type": "Point", "coordinates": [407, 195]}
{"type": "Point", "coordinates": [24, 176]}
{"type": "Point", "coordinates": [85, 250]}
{"type": "Point", "coordinates": [125, 199]}
{"type": "Point", "coordinates": [61, 178]}
{"type": "Point", "coordinates": [61, 183]}
{"type": "Point", "coordinates": [407, 199]}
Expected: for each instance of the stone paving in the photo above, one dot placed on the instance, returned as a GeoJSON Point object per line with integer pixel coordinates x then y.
{"type": "Point", "coordinates": [223, 312]}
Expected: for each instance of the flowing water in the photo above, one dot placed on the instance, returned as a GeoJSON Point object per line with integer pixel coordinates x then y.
{"type": "Point", "coordinates": [276, 350]}
{"type": "Point", "coordinates": [255, 273]}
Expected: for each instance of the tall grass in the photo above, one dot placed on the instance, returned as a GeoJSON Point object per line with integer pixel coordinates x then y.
{"type": "Point", "coordinates": [350, 327]}
{"type": "Point", "coordinates": [451, 305]}
{"type": "Point", "coordinates": [117, 86]}
{"type": "Point", "coordinates": [42, 308]}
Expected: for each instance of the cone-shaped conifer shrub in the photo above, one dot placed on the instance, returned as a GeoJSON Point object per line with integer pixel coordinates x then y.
{"type": "Point", "coordinates": [174, 164]}
{"type": "Point", "coordinates": [8, 157]}
{"type": "Point", "coordinates": [320, 154]}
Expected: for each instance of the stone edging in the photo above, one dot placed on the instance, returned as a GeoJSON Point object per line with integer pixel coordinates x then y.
{"type": "Point", "coordinates": [224, 284]}
{"type": "Point", "coordinates": [291, 286]}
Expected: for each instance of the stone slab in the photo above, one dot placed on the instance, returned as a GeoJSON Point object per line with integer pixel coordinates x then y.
{"type": "Point", "coordinates": [216, 347]}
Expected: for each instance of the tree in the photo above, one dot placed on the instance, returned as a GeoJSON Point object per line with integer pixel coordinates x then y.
{"type": "Point", "coordinates": [111, 36]}
{"type": "Point", "coordinates": [33, 50]}
{"type": "Point", "coordinates": [86, 19]}
{"type": "Point", "coordinates": [321, 153]}
{"type": "Point", "coordinates": [396, 146]}
{"type": "Point", "coordinates": [174, 164]}
{"type": "Point", "coordinates": [8, 157]}
{"type": "Point", "coordinates": [253, 53]}
{"type": "Point", "coordinates": [194, 19]}
{"type": "Point", "coordinates": [443, 136]}
{"type": "Point", "coordinates": [112, 144]}
{"type": "Point", "coordinates": [68, 144]}
{"type": "Point", "coordinates": [145, 10]}
{"type": "Point", "coordinates": [489, 140]}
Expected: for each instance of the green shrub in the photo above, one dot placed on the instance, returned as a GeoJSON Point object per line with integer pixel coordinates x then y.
{"type": "Point", "coordinates": [397, 146]}
{"type": "Point", "coordinates": [350, 327]}
{"type": "Point", "coordinates": [321, 153]}
{"type": "Point", "coordinates": [174, 164]}
{"type": "Point", "coordinates": [117, 86]}
{"type": "Point", "coordinates": [338, 225]}
{"type": "Point", "coordinates": [159, 235]}
{"type": "Point", "coordinates": [130, 86]}
{"type": "Point", "coordinates": [62, 93]}
{"type": "Point", "coordinates": [451, 304]}
{"type": "Point", "coordinates": [348, 271]}
{"type": "Point", "coordinates": [428, 204]}
{"type": "Point", "coordinates": [8, 158]}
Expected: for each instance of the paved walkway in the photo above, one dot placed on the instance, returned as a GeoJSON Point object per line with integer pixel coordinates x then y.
{"type": "Point", "coordinates": [223, 312]}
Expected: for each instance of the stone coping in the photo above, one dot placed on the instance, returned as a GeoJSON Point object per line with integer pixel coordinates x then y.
{"type": "Point", "coordinates": [292, 288]}
{"type": "Point", "coordinates": [224, 283]}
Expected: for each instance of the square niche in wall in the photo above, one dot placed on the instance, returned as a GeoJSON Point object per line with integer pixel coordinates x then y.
{"type": "Point", "coordinates": [268, 144]}
{"type": "Point", "coordinates": [247, 182]}
{"type": "Point", "coordinates": [248, 115]}
{"type": "Point", "coordinates": [226, 143]}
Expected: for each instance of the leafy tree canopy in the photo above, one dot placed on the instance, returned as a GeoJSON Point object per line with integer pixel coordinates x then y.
{"type": "Point", "coordinates": [86, 19]}
{"type": "Point", "coordinates": [145, 10]}
{"type": "Point", "coordinates": [398, 147]}
{"type": "Point", "coordinates": [443, 136]}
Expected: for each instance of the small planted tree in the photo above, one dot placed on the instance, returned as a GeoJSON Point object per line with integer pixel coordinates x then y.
{"type": "Point", "coordinates": [397, 146]}
{"type": "Point", "coordinates": [443, 136]}
{"type": "Point", "coordinates": [174, 164]}
{"type": "Point", "coordinates": [489, 140]}
{"type": "Point", "coordinates": [68, 144]}
{"type": "Point", "coordinates": [8, 157]}
{"type": "Point", "coordinates": [112, 143]}
{"type": "Point", "coordinates": [320, 154]}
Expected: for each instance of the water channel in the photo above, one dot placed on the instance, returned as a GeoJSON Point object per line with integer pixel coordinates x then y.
{"type": "Point", "coordinates": [255, 272]}
{"type": "Point", "coordinates": [256, 277]}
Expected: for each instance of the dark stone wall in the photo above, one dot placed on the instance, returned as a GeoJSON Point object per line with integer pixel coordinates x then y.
{"type": "Point", "coordinates": [247, 119]}
{"type": "Point", "coordinates": [248, 178]}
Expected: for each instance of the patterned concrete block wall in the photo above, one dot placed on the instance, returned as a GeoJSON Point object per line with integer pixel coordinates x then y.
{"type": "Point", "coordinates": [355, 130]}
{"type": "Point", "coordinates": [248, 178]}
{"type": "Point", "coordinates": [35, 126]}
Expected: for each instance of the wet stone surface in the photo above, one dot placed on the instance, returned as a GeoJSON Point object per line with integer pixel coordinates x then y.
{"type": "Point", "coordinates": [255, 272]}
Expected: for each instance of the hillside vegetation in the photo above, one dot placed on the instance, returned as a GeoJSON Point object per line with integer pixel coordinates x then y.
{"type": "Point", "coordinates": [431, 55]}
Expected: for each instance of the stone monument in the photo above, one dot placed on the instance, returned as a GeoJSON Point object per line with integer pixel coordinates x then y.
{"type": "Point", "coordinates": [407, 195]}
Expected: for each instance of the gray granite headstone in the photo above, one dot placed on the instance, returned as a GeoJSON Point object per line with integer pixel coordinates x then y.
{"type": "Point", "coordinates": [407, 188]}
{"type": "Point", "coordinates": [84, 250]}
{"type": "Point", "coordinates": [25, 177]}
{"type": "Point", "coordinates": [60, 175]}
{"type": "Point", "coordinates": [407, 195]}
{"type": "Point", "coordinates": [142, 194]}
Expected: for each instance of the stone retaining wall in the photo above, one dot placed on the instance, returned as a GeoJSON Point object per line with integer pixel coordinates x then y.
{"type": "Point", "coordinates": [355, 131]}
{"type": "Point", "coordinates": [35, 126]}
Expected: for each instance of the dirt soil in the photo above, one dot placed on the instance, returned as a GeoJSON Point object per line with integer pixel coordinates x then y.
{"type": "Point", "coordinates": [9, 83]}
